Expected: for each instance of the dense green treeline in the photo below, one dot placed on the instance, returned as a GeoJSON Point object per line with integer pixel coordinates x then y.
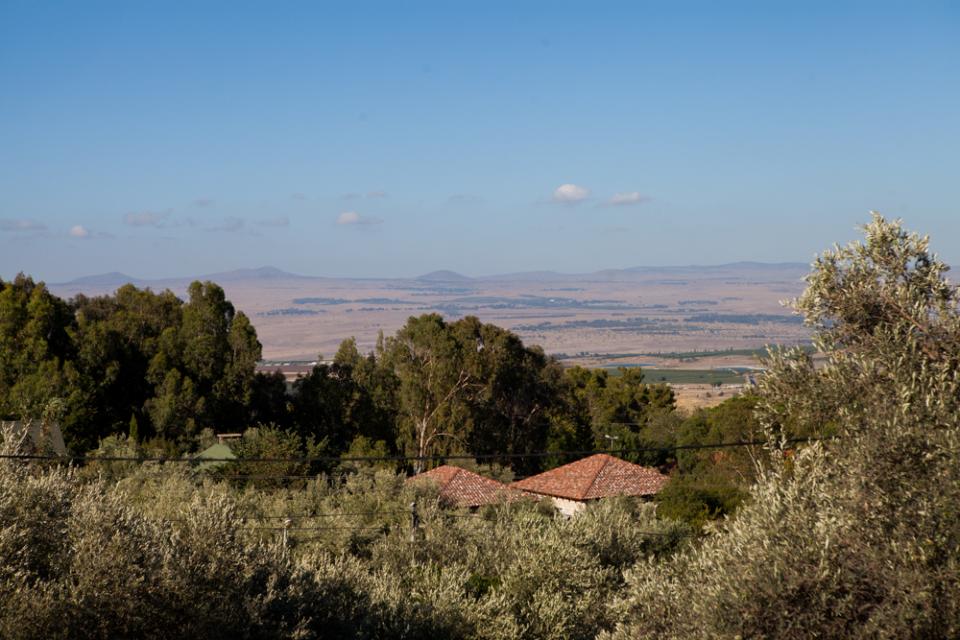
{"type": "Point", "coordinates": [168, 374]}
{"type": "Point", "coordinates": [162, 370]}
{"type": "Point", "coordinates": [137, 361]}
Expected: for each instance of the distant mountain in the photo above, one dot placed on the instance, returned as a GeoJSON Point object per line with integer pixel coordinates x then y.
{"type": "Point", "coordinates": [112, 279]}
{"type": "Point", "coordinates": [762, 271]}
{"type": "Point", "coordinates": [444, 276]}
{"type": "Point", "coordinates": [115, 279]}
{"type": "Point", "coordinates": [262, 273]}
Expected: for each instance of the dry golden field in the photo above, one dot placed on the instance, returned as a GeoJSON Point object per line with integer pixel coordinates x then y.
{"type": "Point", "coordinates": [625, 317]}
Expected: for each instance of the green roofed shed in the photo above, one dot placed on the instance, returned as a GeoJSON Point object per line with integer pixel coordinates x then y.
{"type": "Point", "coordinates": [216, 456]}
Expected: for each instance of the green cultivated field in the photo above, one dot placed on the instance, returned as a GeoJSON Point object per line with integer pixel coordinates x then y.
{"type": "Point", "coordinates": [689, 376]}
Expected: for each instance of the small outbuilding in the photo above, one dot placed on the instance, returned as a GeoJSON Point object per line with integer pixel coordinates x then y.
{"type": "Point", "coordinates": [44, 435]}
{"type": "Point", "coordinates": [214, 457]}
{"type": "Point", "coordinates": [461, 488]}
{"type": "Point", "coordinates": [599, 476]}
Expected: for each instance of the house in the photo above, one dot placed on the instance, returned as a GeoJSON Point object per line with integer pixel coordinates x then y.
{"type": "Point", "coordinates": [461, 488]}
{"type": "Point", "coordinates": [573, 485]}
{"type": "Point", "coordinates": [45, 435]}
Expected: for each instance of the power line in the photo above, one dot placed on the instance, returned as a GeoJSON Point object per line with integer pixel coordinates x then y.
{"type": "Point", "coordinates": [220, 475]}
{"type": "Point", "coordinates": [346, 514]}
{"type": "Point", "coordinates": [398, 458]}
{"type": "Point", "coordinates": [314, 528]}
{"type": "Point", "coordinates": [273, 476]}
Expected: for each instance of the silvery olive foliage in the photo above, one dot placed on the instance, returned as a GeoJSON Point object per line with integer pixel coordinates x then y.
{"type": "Point", "coordinates": [857, 536]}
{"type": "Point", "coordinates": [164, 551]}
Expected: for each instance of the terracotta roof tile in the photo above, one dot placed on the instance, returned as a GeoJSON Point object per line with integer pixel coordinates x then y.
{"type": "Point", "coordinates": [599, 476]}
{"type": "Point", "coordinates": [461, 488]}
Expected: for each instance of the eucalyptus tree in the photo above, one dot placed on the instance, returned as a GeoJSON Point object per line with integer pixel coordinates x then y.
{"type": "Point", "coordinates": [116, 337]}
{"type": "Point", "coordinates": [515, 390]}
{"type": "Point", "coordinates": [434, 380]}
{"type": "Point", "coordinates": [204, 370]}
{"type": "Point", "coordinates": [35, 347]}
{"type": "Point", "coordinates": [135, 357]}
{"type": "Point", "coordinates": [468, 386]}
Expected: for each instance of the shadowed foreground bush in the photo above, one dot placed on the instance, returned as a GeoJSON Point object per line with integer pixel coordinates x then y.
{"type": "Point", "coordinates": [168, 553]}
{"type": "Point", "coordinates": [77, 561]}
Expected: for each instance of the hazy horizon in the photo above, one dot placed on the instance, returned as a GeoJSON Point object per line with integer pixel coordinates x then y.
{"type": "Point", "coordinates": [614, 312]}
{"type": "Point", "coordinates": [272, 271]}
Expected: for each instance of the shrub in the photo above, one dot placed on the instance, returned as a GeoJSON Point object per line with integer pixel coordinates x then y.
{"type": "Point", "coordinates": [858, 537]}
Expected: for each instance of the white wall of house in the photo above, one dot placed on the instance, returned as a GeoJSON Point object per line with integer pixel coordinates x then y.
{"type": "Point", "coordinates": [569, 507]}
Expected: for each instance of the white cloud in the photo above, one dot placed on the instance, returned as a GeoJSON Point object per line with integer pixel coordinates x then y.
{"type": "Point", "coordinates": [21, 225]}
{"type": "Point", "coordinates": [627, 198]}
{"type": "Point", "coordinates": [570, 193]}
{"type": "Point", "coordinates": [348, 217]}
{"type": "Point", "coordinates": [79, 231]}
{"type": "Point", "coordinates": [146, 219]}
{"type": "Point", "coordinates": [377, 194]}
{"type": "Point", "coordinates": [204, 202]}
{"type": "Point", "coordinates": [352, 217]}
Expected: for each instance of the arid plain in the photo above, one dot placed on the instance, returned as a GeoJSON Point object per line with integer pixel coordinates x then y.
{"type": "Point", "coordinates": [646, 316]}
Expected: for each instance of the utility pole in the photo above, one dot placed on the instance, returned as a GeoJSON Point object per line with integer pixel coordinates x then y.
{"type": "Point", "coordinates": [286, 528]}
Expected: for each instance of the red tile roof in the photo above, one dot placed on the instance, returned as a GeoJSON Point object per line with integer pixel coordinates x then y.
{"type": "Point", "coordinates": [461, 488]}
{"type": "Point", "coordinates": [599, 476]}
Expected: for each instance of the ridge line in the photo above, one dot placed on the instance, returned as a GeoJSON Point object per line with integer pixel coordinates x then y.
{"type": "Point", "coordinates": [606, 460]}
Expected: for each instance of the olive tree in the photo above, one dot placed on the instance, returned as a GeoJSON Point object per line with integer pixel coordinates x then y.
{"type": "Point", "coordinates": [858, 536]}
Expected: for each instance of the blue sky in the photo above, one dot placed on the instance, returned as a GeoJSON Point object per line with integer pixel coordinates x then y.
{"type": "Point", "coordinates": [371, 139]}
